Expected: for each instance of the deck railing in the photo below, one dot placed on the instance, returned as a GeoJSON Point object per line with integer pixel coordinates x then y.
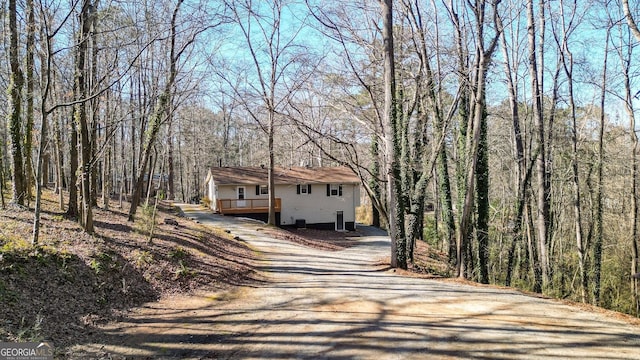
{"type": "Point", "coordinates": [235, 206]}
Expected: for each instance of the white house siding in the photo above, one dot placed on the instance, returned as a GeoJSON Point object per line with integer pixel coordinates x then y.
{"type": "Point", "coordinates": [314, 208]}
{"type": "Point", "coordinates": [227, 192]}
{"type": "Point", "coordinates": [317, 207]}
{"type": "Point", "coordinates": [211, 194]}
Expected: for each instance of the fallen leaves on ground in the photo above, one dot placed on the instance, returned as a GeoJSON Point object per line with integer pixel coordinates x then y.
{"type": "Point", "coordinates": [73, 282]}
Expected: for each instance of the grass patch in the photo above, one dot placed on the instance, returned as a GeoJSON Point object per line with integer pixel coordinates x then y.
{"type": "Point", "coordinates": [179, 253]}
{"type": "Point", "coordinates": [57, 218]}
{"type": "Point", "coordinates": [142, 258]}
{"type": "Point", "coordinates": [30, 331]}
{"type": "Point", "coordinates": [183, 271]}
{"type": "Point", "coordinates": [102, 262]}
{"type": "Point", "coordinates": [14, 245]}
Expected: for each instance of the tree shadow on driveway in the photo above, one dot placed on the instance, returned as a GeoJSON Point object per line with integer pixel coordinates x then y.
{"type": "Point", "coordinates": [344, 305]}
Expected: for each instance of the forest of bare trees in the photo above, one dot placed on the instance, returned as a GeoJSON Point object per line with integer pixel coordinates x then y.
{"type": "Point", "coordinates": [514, 119]}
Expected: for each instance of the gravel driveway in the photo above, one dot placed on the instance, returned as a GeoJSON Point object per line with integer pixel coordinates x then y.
{"type": "Point", "coordinates": [341, 305]}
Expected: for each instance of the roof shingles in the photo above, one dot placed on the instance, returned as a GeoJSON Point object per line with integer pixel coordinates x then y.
{"type": "Point", "coordinates": [293, 175]}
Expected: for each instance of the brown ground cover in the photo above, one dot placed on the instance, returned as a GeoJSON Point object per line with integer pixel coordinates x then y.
{"type": "Point", "coordinates": [64, 289]}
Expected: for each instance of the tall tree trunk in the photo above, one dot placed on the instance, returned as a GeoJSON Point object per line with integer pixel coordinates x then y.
{"type": "Point", "coordinates": [532, 247]}
{"type": "Point", "coordinates": [14, 90]}
{"type": "Point", "coordinates": [521, 177]}
{"type": "Point", "coordinates": [94, 103]}
{"type": "Point", "coordinates": [59, 158]}
{"type": "Point", "coordinates": [106, 160]}
{"type": "Point", "coordinates": [170, 167]}
{"type": "Point", "coordinates": [540, 264]}
{"type": "Point", "coordinates": [482, 199]}
{"type": "Point", "coordinates": [181, 171]}
{"type": "Point", "coordinates": [462, 234]}
{"type": "Point", "coordinates": [72, 206]}
{"type": "Point", "coordinates": [566, 58]}
{"type": "Point", "coordinates": [444, 189]}
{"type": "Point", "coordinates": [29, 72]}
{"type": "Point", "coordinates": [597, 245]}
{"type": "Point", "coordinates": [271, 171]}
{"type": "Point", "coordinates": [2, 203]}
{"type": "Point", "coordinates": [625, 59]}
{"type": "Point", "coordinates": [86, 216]}
{"type": "Point", "coordinates": [106, 178]}
{"type": "Point", "coordinates": [374, 183]}
{"type": "Point", "coordinates": [392, 144]}
{"type": "Point", "coordinates": [44, 123]}
{"type": "Point", "coordinates": [577, 211]}
{"type": "Point", "coordinates": [634, 217]}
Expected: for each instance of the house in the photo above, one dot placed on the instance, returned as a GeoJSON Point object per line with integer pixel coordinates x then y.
{"type": "Point", "coordinates": [316, 197]}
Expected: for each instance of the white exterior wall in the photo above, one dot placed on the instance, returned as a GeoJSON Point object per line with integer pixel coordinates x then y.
{"type": "Point", "coordinates": [314, 208]}
{"type": "Point", "coordinates": [317, 207]}
{"type": "Point", "coordinates": [211, 194]}
{"type": "Point", "coordinates": [231, 192]}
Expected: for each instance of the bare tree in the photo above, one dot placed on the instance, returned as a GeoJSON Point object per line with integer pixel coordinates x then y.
{"type": "Point", "coordinates": [599, 229]}
{"type": "Point", "coordinates": [80, 116]}
{"type": "Point", "coordinates": [562, 35]}
{"type": "Point", "coordinates": [163, 107]}
{"type": "Point", "coordinates": [625, 53]}
{"type": "Point", "coordinates": [541, 266]}
{"type": "Point", "coordinates": [16, 82]}
{"type": "Point", "coordinates": [630, 19]}
{"type": "Point", "coordinates": [485, 43]}
{"type": "Point", "coordinates": [30, 94]}
{"type": "Point", "coordinates": [523, 174]}
{"type": "Point", "coordinates": [275, 54]}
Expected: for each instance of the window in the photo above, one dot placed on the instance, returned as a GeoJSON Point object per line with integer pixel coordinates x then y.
{"type": "Point", "coordinates": [334, 190]}
{"type": "Point", "coordinates": [303, 189]}
{"type": "Point", "coordinates": [262, 190]}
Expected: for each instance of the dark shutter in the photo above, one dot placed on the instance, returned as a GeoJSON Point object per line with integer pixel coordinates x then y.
{"type": "Point", "coordinates": [308, 188]}
{"type": "Point", "coordinates": [340, 190]}
{"type": "Point", "coordinates": [298, 189]}
{"type": "Point", "coordinates": [328, 189]}
{"type": "Point", "coordinates": [257, 189]}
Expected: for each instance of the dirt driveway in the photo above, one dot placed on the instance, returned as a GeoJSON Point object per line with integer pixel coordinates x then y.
{"type": "Point", "coordinates": [340, 305]}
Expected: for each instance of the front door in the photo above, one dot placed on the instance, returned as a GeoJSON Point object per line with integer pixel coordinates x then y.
{"type": "Point", "coordinates": [339, 221]}
{"type": "Point", "coordinates": [241, 202]}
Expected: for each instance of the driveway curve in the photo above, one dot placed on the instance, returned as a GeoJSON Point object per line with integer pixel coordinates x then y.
{"type": "Point", "coordinates": [343, 305]}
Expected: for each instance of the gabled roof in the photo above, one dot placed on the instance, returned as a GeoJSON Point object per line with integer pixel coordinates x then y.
{"type": "Point", "coordinates": [292, 176]}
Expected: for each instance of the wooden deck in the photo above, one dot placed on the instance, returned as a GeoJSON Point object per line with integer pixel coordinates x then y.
{"type": "Point", "coordinates": [248, 206]}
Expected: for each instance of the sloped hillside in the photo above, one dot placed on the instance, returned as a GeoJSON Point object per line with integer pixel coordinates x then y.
{"type": "Point", "coordinates": [74, 281]}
